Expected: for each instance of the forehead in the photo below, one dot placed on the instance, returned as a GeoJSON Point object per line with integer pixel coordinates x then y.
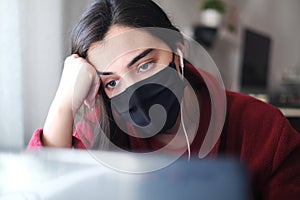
{"type": "Point", "coordinates": [121, 41]}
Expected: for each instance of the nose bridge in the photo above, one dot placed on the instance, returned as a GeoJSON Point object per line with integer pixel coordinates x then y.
{"type": "Point", "coordinates": [126, 80]}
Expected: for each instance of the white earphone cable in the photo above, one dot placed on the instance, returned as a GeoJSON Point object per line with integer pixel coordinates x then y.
{"type": "Point", "coordinates": [186, 136]}
{"type": "Point", "coordinates": [181, 110]}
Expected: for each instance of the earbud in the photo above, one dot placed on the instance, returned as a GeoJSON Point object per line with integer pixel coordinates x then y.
{"type": "Point", "coordinates": [181, 61]}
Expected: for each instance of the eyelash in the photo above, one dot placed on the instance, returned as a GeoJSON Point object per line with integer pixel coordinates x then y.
{"type": "Point", "coordinates": [146, 64]}
{"type": "Point", "coordinates": [139, 70]}
{"type": "Point", "coordinates": [111, 87]}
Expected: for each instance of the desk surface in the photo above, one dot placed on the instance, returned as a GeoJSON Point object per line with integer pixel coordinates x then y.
{"type": "Point", "coordinates": [291, 112]}
{"type": "Point", "coordinates": [286, 111]}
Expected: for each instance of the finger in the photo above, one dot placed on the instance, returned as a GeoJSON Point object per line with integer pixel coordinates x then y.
{"type": "Point", "coordinates": [82, 86]}
{"type": "Point", "coordinates": [91, 98]}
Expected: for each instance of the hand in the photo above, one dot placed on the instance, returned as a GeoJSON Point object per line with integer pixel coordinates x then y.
{"type": "Point", "coordinates": [79, 83]}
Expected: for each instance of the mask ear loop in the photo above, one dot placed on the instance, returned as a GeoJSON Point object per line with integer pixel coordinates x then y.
{"type": "Point", "coordinates": [181, 110]}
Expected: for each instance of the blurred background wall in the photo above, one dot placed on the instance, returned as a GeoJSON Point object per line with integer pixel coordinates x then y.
{"type": "Point", "coordinates": [41, 32]}
{"type": "Point", "coordinates": [45, 40]}
{"type": "Point", "coordinates": [11, 102]}
{"type": "Point", "coordinates": [276, 18]}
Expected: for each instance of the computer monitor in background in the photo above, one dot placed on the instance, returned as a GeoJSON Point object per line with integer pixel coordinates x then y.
{"type": "Point", "coordinates": [255, 62]}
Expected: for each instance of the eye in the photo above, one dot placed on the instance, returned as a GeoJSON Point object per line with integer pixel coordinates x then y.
{"type": "Point", "coordinates": [112, 84]}
{"type": "Point", "coordinates": [145, 67]}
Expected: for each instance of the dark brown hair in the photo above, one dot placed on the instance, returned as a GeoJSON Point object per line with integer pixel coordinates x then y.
{"type": "Point", "coordinates": [97, 19]}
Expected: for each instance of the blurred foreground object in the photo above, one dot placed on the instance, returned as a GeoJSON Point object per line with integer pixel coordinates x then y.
{"type": "Point", "coordinates": [73, 174]}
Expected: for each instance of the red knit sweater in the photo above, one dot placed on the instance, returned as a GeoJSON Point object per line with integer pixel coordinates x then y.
{"type": "Point", "coordinates": [255, 132]}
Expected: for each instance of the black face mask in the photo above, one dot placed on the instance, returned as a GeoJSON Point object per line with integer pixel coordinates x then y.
{"type": "Point", "coordinates": [151, 105]}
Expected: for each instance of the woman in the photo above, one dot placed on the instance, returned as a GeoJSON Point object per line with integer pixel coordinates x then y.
{"type": "Point", "coordinates": [106, 70]}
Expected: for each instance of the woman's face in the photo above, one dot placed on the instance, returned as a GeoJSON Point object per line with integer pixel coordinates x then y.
{"type": "Point", "coordinates": [126, 56]}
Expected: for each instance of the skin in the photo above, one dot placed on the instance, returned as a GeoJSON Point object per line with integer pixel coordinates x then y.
{"type": "Point", "coordinates": [115, 74]}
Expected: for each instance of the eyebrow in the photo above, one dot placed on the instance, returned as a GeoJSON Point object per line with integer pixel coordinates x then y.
{"type": "Point", "coordinates": [104, 73]}
{"type": "Point", "coordinates": [140, 56]}
{"type": "Point", "coordinates": [132, 62]}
